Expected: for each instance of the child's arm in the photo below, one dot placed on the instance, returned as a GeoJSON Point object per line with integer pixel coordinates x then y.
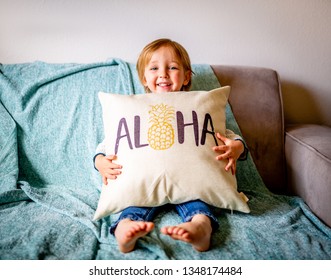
{"type": "Point", "coordinates": [233, 149]}
{"type": "Point", "coordinates": [231, 135]}
{"type": "Point", "coordinates": [105, 165]}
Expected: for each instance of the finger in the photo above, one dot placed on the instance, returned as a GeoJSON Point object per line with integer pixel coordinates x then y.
{"type": "Point", "coordinates": [112, 172]}
{"type": "Point", "coordinates": [104, 180]}
{"type": "Point", "coordinates": [229, 165]}
{"type": "Point", "coordinates": [115, 166]}
{"type": "Point", "coordinates": [234, 168]}
{"type": "Point", "coordinates": [111, 176]}
{"type": "Point", "coordinates": [223, 156]}
{"type": "Point", "coordinates": [111, 157]}
{"type": "Point", "coordinates": [220, 148]}
{"type": "Point", "coordinates": [116, 172]}
{"type": "Point", "coordinates": [220, 136]}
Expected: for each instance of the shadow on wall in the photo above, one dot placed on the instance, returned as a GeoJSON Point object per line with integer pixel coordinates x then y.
{"type": "Point", "coordinates": [299, 104]}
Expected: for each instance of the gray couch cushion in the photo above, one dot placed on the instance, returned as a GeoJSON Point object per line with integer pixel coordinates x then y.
{"type": "Point", "coordinates": [308, 157]}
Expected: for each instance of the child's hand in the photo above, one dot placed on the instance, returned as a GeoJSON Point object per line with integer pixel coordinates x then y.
{"type": "Point", "coordinates": [107, 168]}
{"type": "Point", "coordinates": [231, 150]}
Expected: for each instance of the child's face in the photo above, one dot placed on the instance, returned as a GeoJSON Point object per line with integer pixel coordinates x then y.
{"type": "Point", "coordinates": [165, 72]}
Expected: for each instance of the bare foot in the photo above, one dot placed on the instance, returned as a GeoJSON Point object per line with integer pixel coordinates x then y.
{"type": "Point", "coordinates": [127, 233]}
{"type": "Point", "coordinates": [196, 232]}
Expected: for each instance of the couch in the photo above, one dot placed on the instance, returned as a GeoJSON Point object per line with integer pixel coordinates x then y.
{"type": "Point", "coordinates": [292, 159]}
{"type": "Point", "coordinates": [51, 124]}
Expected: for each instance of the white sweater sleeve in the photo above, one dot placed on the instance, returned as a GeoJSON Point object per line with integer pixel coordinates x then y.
{"type": "Point", "coordinates": [101, 148]}
{"type": "Point", "coordinates": [231, 135]}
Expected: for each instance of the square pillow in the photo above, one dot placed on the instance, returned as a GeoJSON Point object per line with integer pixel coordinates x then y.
{"type": "Point", "coordinates": [164, 143]}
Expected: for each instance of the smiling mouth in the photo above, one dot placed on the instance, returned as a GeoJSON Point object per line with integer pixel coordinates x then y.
{"type": "Point", "coordinates": [163, 85]}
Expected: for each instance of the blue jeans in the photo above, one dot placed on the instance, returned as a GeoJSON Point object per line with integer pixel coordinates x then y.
{"type": "Point", "coordinates": [185, 210]}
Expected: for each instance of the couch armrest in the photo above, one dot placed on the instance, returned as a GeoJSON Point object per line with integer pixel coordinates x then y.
{"type": "Point", "coordinates": [308, 160]}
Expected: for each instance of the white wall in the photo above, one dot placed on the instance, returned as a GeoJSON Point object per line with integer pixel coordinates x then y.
{"type": "Point", "coordinates": [290, 36]}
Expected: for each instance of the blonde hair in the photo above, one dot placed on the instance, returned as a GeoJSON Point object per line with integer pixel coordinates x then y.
{"type": "Point", "coordinates": [147, 52]}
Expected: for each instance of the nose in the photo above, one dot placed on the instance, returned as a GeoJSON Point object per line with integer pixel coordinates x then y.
{"type": "Point", "coordinates": [163, 73]}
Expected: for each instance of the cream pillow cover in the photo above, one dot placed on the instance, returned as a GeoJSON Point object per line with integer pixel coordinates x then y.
{"type": "Point", "coordinates": [164, 143]}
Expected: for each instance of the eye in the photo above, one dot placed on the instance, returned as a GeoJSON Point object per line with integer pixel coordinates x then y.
{"type": "Point", "coordinates": [153, 68]}
{"type": "Point", "coordinates": [173, 68]}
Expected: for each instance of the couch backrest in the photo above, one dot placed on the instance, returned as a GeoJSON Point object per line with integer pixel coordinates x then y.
{"type": "Point", "coordinates": [256, 102]}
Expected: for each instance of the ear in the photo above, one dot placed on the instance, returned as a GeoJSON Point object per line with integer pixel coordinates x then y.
{"type": "Point", "coordinates": [144, 82]}
{"type": "Point", "coordinates": [188, 76]}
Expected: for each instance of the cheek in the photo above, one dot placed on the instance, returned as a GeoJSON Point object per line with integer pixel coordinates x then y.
{"type": "Point", "coordinates": [148, 79]}
{"type": "Point", "coordinates": [178, 78]}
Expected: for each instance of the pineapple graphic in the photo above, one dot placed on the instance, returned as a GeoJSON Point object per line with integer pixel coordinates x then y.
{"type": "Point", "coordinates": [161, 133]}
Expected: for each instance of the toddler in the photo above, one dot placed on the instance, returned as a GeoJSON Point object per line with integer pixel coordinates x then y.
{"type": "Point", "coordinates": [164, 66]}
